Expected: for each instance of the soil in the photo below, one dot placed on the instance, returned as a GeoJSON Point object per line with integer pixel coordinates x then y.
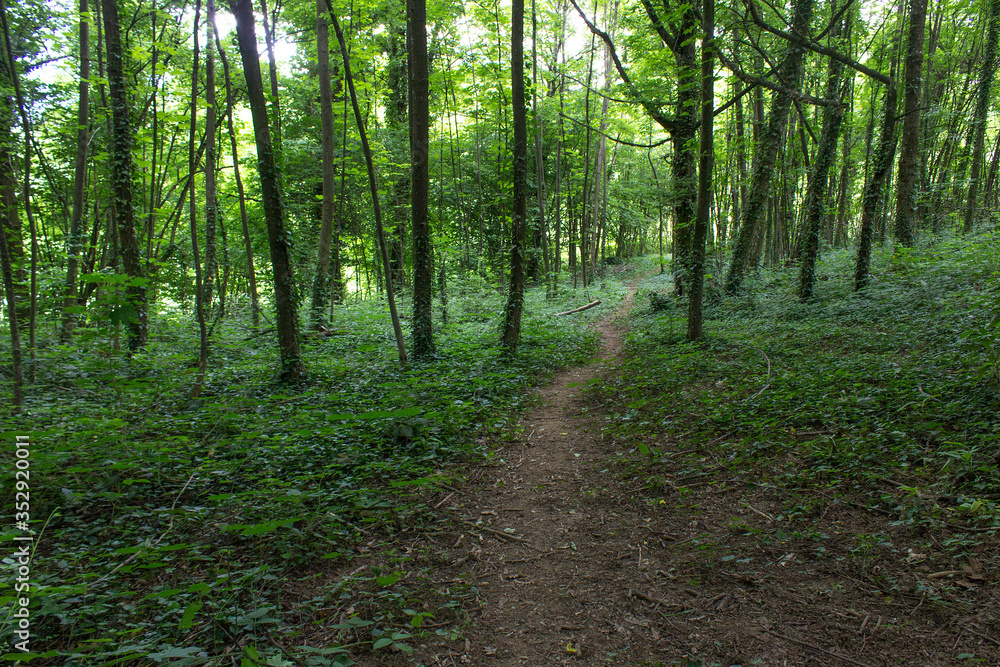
{"type": "Point", "coordinates": [575, 564]}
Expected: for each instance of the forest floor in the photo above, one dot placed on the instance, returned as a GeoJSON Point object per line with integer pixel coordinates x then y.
{"type": "Point", "coordinates": [568, 558]}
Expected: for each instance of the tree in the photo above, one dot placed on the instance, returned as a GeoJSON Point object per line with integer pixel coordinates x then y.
{"type": "Point", "coordinates": [790, 74]}
{"type": "Point", "coordinates": [815, 201]}
{"type": "Point", "coordinates": [706, 164]}
{"type": "Point", "coordinates": [11, 293]}
{"type": "Point", "coordinates": [287, 322]}
{"type": "Point", "coordinates": [321, 284]}
{"type": "Point", "coordinates": [909, 148]}
{"type": "Point", "coordinates": [373, 185]}
{"type": "Point", "coordinates": [419, 120]}
{"type": "Point", "coordinates": [121, 179]}
{"type": "Point", "coordinates": [74, 242]}
{"type": "Point", "coordinates": [977, 127]}
{"type": "Point", "coordinates": [515, 295]}
{"type": "Point", "coordinates": [211, 189]}
{"type": "Point", "coordinates": [873, 188]}
{"type": "Point", "coordinates": [199, 274]}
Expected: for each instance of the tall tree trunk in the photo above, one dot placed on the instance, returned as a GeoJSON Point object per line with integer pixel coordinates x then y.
{"type": "Point", "coordinates": [321, 283]}
{"type": "Point", "coordinates": [771, 138]}
{"type": "Point", "coordinates": [287, 319]}
{"type": "Point", "coordinates": [75, 245]}
{"type": "Point", "coordinates": [373, 184]}
{"type": "Point", "coordinates": [199, 275]}
{"type": "Point", "coordinates": [211, 161]}
{"type": "Point", "coordinates": [909, 149]}
{"type": "Point", "coordinates": [121, 177]}
{"type": "Point", "coordinates": [419, 120]}
{"type": "Point", "coordinates": [978, 126]}
{"type": "Point", "coordinates": [277, 136]}
{"type": "Point", "coordinates": [11, 291]}
{"type": "Point", "coordinates": [817, 192]}
{"type": "Point", "coordinates": [559, 150]}
{"type": "Point", "coordinates": [685, 139]}
{"type": "Point", "coordinates": [244, 218]}
{"type": "Point", "coordinates": [706, 163]}
{"type": "Point", "coordinates": [14, 79]}
{"type": "Point", "coordinates": [873, 188]}
{"type": "Point", "coordinates": [515, 297]}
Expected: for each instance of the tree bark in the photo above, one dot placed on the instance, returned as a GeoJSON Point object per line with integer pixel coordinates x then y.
{"type": "Point", "coordinates": [26, 185]}
{"type": "Point", "coordinates": [211, 160]}
{"type": "Point", "coordinates": [292, 367]}
{"type": "Point", "coordinates": [978, 126]}
{"type": "Point", "coordinates": [241, 193]}
{"type": "Point", "coordinates": [790, 71]}
{"type": "Point", "coordinates": [74, 242]}
{"type": "Point", "coordinates": [873, 189]}
{"type": "Point", "coordinates": [419, 121]}
{"type": "Point", "coordinates": [909, 149]}
{"type": "Point", "coordinates": [706, 163]}
{"type": "Point", "coordinates": [199, 275]}
{"type": "Point", "coordinates": [321, 283]}
{"type": "Point", "coordinates": [121, 177]}
{"type": "Point", "coordinates": [515, 296]}
{"type": "Point", "coordinates": [10, 291]}
{"type": "Point", "coordinates": [685, 135]}
{"type": "Point", "coordinates": [373, 184]}
{"type": "Point", "coordinates": [817, 192]}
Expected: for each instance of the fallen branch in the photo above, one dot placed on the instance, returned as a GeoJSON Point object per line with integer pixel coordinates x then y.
{"type": "Point", "coordinates": [816, 648]}
{"type": "Point", "coordinates": [491, 531]}
{"type": "Point", "coordinates": [577, 310]}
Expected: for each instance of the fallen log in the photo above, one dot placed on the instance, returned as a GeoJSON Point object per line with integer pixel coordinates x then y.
{"type": "Point", "coordinates": [577, 310]}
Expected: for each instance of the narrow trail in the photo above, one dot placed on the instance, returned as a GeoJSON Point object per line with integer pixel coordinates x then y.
{"type": "Point", "coordinates": [561, 556]}
{"type": "Point", "coordinates": [573, 563]}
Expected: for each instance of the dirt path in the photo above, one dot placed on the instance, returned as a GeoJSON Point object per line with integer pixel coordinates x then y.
{"type": "Point", "coordinates": [561, 557]}
{"type": "Point", "coordinates": [573, 563]}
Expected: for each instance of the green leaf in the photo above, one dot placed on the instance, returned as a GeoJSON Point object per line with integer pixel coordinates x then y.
{"type": "Point", "coordinates": [382, 643]}
{"type": "Point", "coordinates": [188, 617]}
{"type": "Point", "coordinates": [267, 527]}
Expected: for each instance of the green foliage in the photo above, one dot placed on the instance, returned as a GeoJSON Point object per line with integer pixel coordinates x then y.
{"type": "Point", "coordinates": [896, 382]}
{"type": "Point", "coordinates": [177, 525]}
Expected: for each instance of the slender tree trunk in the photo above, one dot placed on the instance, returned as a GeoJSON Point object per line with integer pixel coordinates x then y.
{"type": "Point", "coordinates": [10, 291]}
{"type": "Point", "coordinates": [75, 244]}
{"type": "Point", "coordinates": [978, 126]}
{"type": "Point", "coordinates": [199, 276]}
{"type": "Point", "coordinates": [909, 150]}
{"type": "Point", "coordinates": [515, 297]}
{"type": "Point", "coordinates": [373, 184]}
{"type": "Point", "coordinates": [244, 218]}
{"type": "Point", "coordinates": [321, 283]}
{"type": "Point", "coordinates": [419, 120]}
{"type": "Point", "coordinates": [989, 195]}
{"type": "Point", "coordinates": [121, 176]}
{"type": "Point", "coordinates": [211, 161]}
{"type": "Point", "coordinates": [541, 235]}
{"type": "Point", "coordinates": [277, 137]}
{"type": "Point", "coordinates": [706, 164]}
{"type": "Point", "coordinates": [790, 71]}
{"type": "Point", "coordinates": [873, 188]}
{"type": "Point", "coordinates": [559, 154]}
{"type": "Point", "coordinates": [684, 136]}
{"type": "Point", "coordinates": [287, 320]}
{"type": "Point", "coordinates": [14, 79]}
{"type": "Point", "coordinates": [817, 192]}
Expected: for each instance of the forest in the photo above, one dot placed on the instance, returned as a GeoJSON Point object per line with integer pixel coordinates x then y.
{"type": "Point", "coordinates": [443, 332]}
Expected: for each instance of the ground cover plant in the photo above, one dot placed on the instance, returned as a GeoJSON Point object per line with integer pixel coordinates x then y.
{"type": "Point", "coordinates": [174, 527]}
{"type": "Point", "coordinates": [841, 454]}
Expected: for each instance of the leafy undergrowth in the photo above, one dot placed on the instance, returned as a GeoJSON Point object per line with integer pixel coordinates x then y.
{"type": "Point", "coordinates": [886, 401]}
{"type": "Point", "coordinates": [174, 529]}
